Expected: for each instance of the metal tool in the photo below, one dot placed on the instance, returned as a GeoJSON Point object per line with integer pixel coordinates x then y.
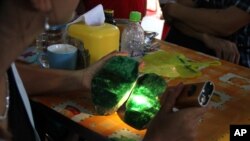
{"type": "Point", "coordinates": [198, 94]}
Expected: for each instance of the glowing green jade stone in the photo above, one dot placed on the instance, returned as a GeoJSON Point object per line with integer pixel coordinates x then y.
{"type": "Point", "coordinates": [144, 103]}
{"type": "Point", "coordinates": [112, 85]}
{"type": "Point", "coordinates": [122, 67]}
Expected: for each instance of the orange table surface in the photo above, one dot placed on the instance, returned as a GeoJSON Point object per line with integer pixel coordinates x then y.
{"type": "Point", "coordinates": [230, 103]}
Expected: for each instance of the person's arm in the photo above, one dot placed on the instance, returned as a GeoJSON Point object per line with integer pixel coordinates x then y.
{"type": "Point", "coordinates": [218, 22]}
{"type": "Point", "coordinates": [189, 3]}
{"type": "Point", "coordinates": [38, 81]}
{"type": "Point", "coordinates": [224, 49]}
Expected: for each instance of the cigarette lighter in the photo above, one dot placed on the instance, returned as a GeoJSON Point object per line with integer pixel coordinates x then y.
{"type": "Point", "coordinates": [198, 94]}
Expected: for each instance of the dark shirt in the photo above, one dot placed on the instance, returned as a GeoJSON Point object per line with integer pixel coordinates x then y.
{"type": "Point", "coordinates": [241, 37]}
{"type": "Point", "coordinates": [19, 124]}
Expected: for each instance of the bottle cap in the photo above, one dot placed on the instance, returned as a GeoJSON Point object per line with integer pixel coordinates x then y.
{"type": "Point", "coordinates": [110, 11]}
{"type": "Point", "coordinates": [135, 16]}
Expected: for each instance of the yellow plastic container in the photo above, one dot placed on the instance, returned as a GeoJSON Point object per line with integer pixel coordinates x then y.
{"type": "Point", "coordinates": [99, 40]}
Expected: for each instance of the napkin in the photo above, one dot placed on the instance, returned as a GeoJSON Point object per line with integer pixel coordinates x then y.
{"type": "Point", "coordinates": [93, 17]}
{"type": "Point", "coordinates": [174, 65]}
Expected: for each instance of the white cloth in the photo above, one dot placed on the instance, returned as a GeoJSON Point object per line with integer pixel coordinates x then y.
{"type": "Point", "coordinates": [93, 17]}
{"type": "Point", "coordinates": [25, 99]}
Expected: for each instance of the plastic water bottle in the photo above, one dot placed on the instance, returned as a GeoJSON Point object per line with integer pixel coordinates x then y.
{"type": "Point", "coordinates": [132, 40]}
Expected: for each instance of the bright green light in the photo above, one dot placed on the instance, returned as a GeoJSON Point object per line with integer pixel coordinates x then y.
{"type": "Point", "coordinates": [143, 103]}
{"type": "Point", "coordinates": [141, 100]}
{"type": "Point", "coordinates": [140, 109]}
{"type": "Point", "coordinates": [126, 95]}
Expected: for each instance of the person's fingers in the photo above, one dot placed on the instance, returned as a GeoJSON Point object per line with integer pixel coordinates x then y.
{"type": "Point", "coordinates": [226, 56]}
{"type": "Point", "coordinates": [141, 64]}
{"type": "Point", "coordinates": [232, 58]}
{"type": "Point", "coordinates": [233, 53]}
{"type": "Point", "coordinates": [218, 53]}
{"type": "Point", "coordinates": [226, 52]}
{"type": "Point", "coordinates": [108, 56]}
{"type": "Point", "coordinates": [229, 52]}
{"type": "Point", "coordinates": [237, 55]}
{"type": "Point", "coordinates": [237, 58]}
{"type": "Point", "coordinates": [113, 53]}
{"type": "Point", "coordinates": [170, 98]}
{"type": "Point", "coordinates": [122, 53]}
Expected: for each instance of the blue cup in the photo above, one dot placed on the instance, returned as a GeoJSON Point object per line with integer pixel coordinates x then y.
{"type": "Point", "coordinates": [62, 56]}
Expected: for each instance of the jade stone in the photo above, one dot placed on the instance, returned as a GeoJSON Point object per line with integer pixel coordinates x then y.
{"type": "Point", "coordinates": [112, 84]}
{"type": "Point", "coordinates": [117, 84]}
{"type": "Point", "coordinates": [122, 67]}
{"type": "Point", "coordinates": [143, 104]}
{"type": "Point", "coordinates": [151, 85]}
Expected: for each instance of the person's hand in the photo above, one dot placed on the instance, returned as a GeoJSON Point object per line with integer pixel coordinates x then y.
{"type": "Point", "coordinates": [174, 126]}
{"type": "Point", "coordinates": [88, 73]}
{"type": "Point", "coordinates": [224, 49]}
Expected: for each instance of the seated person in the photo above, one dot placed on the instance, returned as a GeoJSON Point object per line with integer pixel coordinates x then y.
{"type": "Point", "coordinates": [219, 28]}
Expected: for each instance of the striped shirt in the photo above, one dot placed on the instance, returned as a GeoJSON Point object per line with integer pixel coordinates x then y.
{"type": "Point", "coordinates": [242, 36]}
